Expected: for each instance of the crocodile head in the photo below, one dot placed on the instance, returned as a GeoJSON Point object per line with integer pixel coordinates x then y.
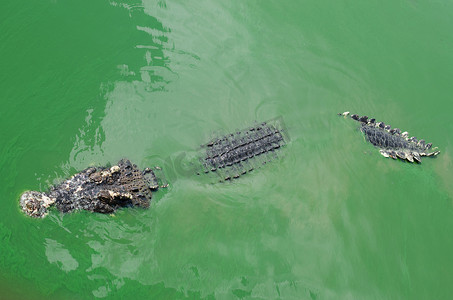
{"type": "Point", "coordinates": [35, 204]}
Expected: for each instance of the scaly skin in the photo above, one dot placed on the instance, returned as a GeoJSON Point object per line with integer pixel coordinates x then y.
{"type": "Point", "coordinates": [96, 189]}
{"type": "Point", "coordinates": [391, 142]}
{"type": "Point", "coordinates": [234, 154]}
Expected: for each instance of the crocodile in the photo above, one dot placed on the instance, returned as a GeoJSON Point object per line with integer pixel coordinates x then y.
{"type": "Point", "coordinates": [96, 189]}
{"type": "Point", "coordinates": [391, 141]}
{"type": "Point", "coordinates": [242, 151]}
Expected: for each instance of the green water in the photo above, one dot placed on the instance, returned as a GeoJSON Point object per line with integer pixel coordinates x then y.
{"type": "Point", "coordinates": [89, 82]}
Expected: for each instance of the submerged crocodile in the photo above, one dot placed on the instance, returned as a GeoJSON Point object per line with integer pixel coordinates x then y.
{"type": "Point", "coordinates": [237, 153]}
{"type": "Point", "coordinates": [391, 141]}
{"type": "Point", "coordinates": [97, 189]}
{"type": "Point", "coordinates": [105, 189]}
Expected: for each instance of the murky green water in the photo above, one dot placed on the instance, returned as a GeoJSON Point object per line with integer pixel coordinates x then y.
{"type": "Point", "coordinates": [89, 82]}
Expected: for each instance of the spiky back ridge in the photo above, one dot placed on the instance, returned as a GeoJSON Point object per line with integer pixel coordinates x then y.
{"type": "Point", "coordinates": [237, 153]}
{"type": "Point", "coordinates": [391, 141]}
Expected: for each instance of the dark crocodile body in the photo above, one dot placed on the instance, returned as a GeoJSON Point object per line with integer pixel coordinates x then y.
{"type": "Point", "coordinates": [391, 142]}
{"type": "Point", "coordinates": [97, 189]}
{"type": "Point", "coordinates": [106, 189]}
{"type": "Point", "coordinates": [237, 153]}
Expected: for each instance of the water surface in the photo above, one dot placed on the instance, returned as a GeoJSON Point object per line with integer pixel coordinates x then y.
{"type": "Point", "coordinates": [89, 82]}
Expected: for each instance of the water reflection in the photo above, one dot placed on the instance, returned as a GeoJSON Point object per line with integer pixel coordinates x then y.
{"type": "Point", "coordinates": [146, 71]}
{"type": "Point", "coordinates": [57, 254]}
